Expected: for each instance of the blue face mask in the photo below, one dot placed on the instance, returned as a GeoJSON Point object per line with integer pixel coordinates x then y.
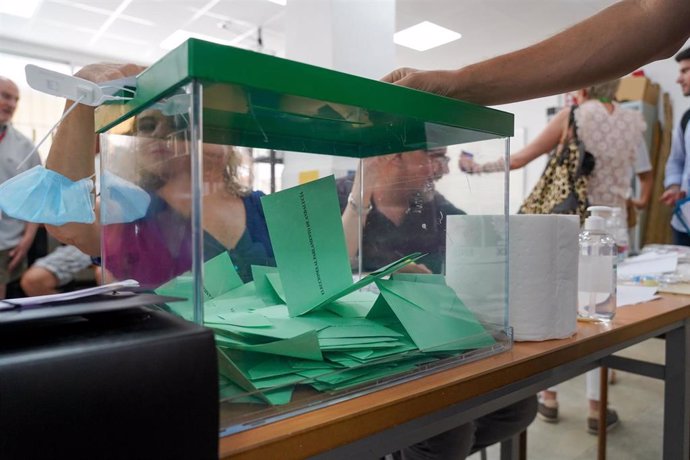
{"type": "Point", "coordinates": [43, 196]}
{"type": "Point", "coordinates": [121, 200]}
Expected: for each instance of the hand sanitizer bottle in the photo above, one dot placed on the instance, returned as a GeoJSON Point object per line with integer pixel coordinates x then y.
{"type": "Point", "coordinates": [597, 268]}
{"type": "Point", "coordinates": [618, 228]}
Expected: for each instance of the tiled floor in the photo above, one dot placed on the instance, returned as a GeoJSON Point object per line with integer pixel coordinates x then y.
{"type": "Point", "coordinates": [638, 400]}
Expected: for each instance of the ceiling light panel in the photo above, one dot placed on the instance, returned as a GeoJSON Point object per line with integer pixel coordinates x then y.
{"type": "Point", "coordinates": [66, 26]}
{"type": "Point", "coordinates": [425, 36]}
{"type": "Point", "coordinates": [22, 9]}
{"type": "Point", "coordinates": [57, 34]}
{"type": "Point", "coordinates": [69, 14]}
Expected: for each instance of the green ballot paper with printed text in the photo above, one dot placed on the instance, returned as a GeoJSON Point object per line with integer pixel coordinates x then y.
{"type": "Point", "coordinates": [309, 243]}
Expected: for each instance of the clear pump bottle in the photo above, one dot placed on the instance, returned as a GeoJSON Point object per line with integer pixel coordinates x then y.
{"type": "Point", "coordinates": [618, 228]}
{"type": "Point", "coordinates": [597, 268]}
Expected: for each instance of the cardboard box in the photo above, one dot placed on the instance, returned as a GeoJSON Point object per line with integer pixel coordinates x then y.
{"type": "Point", "coordinates": [638, 89]}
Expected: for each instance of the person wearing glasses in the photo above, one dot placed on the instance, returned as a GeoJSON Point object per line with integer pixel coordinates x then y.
{"type": "Point", "coordinates": [402, 212]}
{"type": "Point", "coordinates": [16, 236]}
{"type": "Point", "coordinates": [153, 169]}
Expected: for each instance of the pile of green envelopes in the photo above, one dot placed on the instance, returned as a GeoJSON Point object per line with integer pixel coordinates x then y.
{"type": "Point", "coordinates": [307, 322]}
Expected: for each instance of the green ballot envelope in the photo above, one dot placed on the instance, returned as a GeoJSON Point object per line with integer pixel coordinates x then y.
{"type": "Point", "coordinates": [309, 243]}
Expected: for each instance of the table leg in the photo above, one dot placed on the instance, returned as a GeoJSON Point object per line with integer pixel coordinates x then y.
{"type": "Point", "coordinates": [603, 408]}
{"type": "Point", "coordinates": [677, 393]}
{"type": "Point", "coordinates": [510, 448]}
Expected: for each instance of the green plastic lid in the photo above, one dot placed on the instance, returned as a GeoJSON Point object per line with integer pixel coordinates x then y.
{"type": "Point", "coordinates": [256, 100]}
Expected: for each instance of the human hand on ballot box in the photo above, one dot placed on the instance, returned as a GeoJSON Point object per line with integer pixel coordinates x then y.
{"type": "Point", "coordinates": [105, 71]}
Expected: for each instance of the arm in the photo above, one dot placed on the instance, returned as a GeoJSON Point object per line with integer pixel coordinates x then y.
{"type": "Point", "coordinates": [674, 171]}
{"type": "Point", "coordinates": [643, 168]}
{"type": "Point", "coordinates": [546, 141]}
{"type": "Point", "coordinates": [72, 154]}
{"type": "Point", "coordinates": [350, 216]}
{"type": "Point", "coordinates": [610, 44]}
{"type": "Point", "coordinates": [18, 253]}
{"type": "Point", "coordinates": [646, 184]}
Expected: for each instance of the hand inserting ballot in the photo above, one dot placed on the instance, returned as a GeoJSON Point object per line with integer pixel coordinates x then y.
{"type": "Point", "coordinates": [467, 164]}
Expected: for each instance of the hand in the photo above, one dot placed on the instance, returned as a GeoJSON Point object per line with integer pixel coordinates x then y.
{"type": "Point", "coordinates": [671, 195]}
{"type": "Point", "coordinates": [18, 254]}
{"type": "Point", "coordinates": [415, 268]}
{"type": "Point", "coordinates": [638, 204]}
{"type": "Point", "coordinates": [372, 172]}
{"type": "Point", "coordinates": [108, 71]}
{"type": "Point", "coordinates": [467, 164]}
{"type": "Point", "coordinates": [433, 81]}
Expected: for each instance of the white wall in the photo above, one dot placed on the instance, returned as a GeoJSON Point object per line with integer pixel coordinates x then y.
{"type": "Point", "coordinates": [530, 120]}
{"type": "Point", "coordinates": [665, 73]}
{"type": "Point", "coordinates": [483, 193]}
{"type": "Point", "coordinates": [352, 37]}
{"type": "Point", "coordinates": [36, 112]}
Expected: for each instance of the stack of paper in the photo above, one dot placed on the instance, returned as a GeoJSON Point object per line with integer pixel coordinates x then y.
{"type": "Point", "coordinates": [649, 263]}
{"type": "Point", "coordinates": [306, 322]}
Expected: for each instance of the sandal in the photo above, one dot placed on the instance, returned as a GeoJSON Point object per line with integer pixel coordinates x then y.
{"type": "Point", "coordinates": [613, 377]}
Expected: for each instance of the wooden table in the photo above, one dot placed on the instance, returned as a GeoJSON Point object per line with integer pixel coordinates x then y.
{"type": "Point", "coordinates": [369, 426]}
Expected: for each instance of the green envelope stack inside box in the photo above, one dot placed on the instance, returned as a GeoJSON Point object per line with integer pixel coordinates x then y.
{"type": "Point", "coordinates": [307, 322]}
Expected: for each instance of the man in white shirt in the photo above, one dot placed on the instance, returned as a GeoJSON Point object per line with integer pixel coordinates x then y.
{"type": "Point", "coordinates": [15, 236]}
{"type": "Point", "coordinates": [677, 177]}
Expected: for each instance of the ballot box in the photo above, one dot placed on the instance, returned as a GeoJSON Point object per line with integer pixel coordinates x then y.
{"type": "Point", "coordinates": [315, 221]}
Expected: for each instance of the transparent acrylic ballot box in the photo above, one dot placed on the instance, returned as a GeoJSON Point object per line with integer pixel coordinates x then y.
{"type": "Point", "coordinates": [318, 222]}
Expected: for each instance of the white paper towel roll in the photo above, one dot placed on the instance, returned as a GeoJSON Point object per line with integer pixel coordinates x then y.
{"type": "Point", "coordinates": [542, 263]}
{"type": "Point", "coordinates": [543, 276]}
{"type": "Point", "coordinates": [476, 265]}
